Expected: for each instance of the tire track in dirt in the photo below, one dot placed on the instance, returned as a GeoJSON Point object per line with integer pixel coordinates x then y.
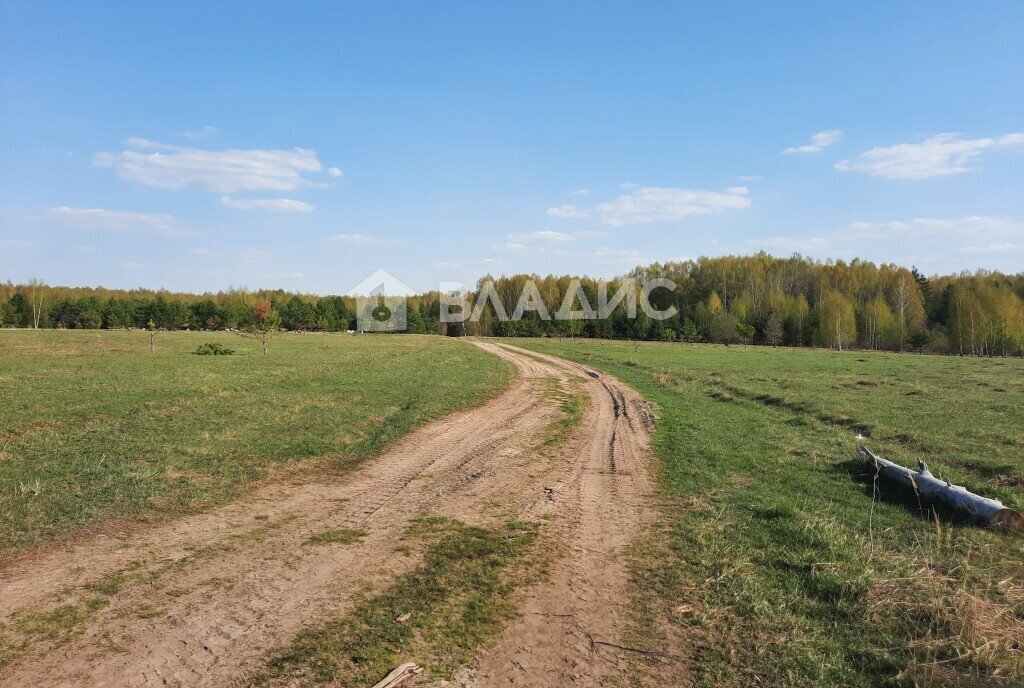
{"type": "Point", "coordinates": [217, 592]}
{"type": "Point", "coordinates": [603, 505]}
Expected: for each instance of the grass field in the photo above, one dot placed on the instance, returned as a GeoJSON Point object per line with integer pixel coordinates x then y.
{"type": "Point", "coordinates": [777, 566]}
{"type": "Point", "coordinates": [776, 562]}
{"type": "Point", "coordinates": [94, 427]}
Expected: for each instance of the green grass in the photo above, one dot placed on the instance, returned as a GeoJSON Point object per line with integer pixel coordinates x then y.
{"type": "Point", "coordinates": [773, 566]}
{"type": "Point", "coordinates": [93, 427]}
{"type": "Point", "coordinates": [439, 615]}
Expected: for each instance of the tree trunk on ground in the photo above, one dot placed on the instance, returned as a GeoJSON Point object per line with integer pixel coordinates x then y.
{"type": "Point", "coordinates": [399, 676]}
{"type": "Point", "coordinates": [991, 512]}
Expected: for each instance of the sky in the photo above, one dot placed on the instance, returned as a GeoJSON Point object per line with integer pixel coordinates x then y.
{"type": "Point", "coordinates": [199, 146]}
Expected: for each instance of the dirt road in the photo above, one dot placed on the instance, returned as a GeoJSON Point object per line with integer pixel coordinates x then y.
{"type": "Point", "coordinates": [201, 601]}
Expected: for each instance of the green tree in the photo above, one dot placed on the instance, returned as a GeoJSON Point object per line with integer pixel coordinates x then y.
{"type": "Point", "coordinates": [724, 329]}
{"type": "Point", "coordinates": [837, 324]}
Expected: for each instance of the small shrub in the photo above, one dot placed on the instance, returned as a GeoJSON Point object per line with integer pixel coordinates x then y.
{"type": "Point", "coordinates": [213, 349]}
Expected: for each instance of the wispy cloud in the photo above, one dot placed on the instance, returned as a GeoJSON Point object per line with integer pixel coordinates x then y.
{"type": "Point", "coordinates": [990, 249]}
{"type": "Point", "coordinates": [280, 205]}
{"type": "Point", "coordinates": [542, 235]}
{"type": "Point", "coordinates": [568, 211]}
{"type": "Point", "coordinates": [938, 156]}
{"type": "Point", "coordinates": [819, 142]}
{"type": "Point", "coordinates": [169, 167]}
{"type": "Point", "coordinates": [15, 243]}
{"type": "Point", "coordinates": [363, 239]}
{"type": "Point", "coordinates": [970, 227]}
{"type": "Point", "coordinates": [661, 204]}
{"type": "Point", "coordinates": [509, 246]}
{"type": "Point", "coordinates": [959, 235]}
{"type": "Point", "coordinates": [620, 256]}
{"type": "Point", "coordinates": [200, 133]}
{"type": "Point", "coordinates": [98, 219]}
{"type": "Point", "coordinates": [789, 244]}
{"type": "Point", "coordinates": [283, 275]}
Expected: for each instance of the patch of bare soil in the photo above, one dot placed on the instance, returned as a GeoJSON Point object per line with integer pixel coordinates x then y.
{"type": "Point", "coordinates": [203, 600]}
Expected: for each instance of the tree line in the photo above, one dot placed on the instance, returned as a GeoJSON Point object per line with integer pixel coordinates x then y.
{"type": "Point", "coordinates": [756, 299]}
{"type": "Point", "coordinates": [792, 301]}
{"type": "Point", "coordinates": [39, 305]}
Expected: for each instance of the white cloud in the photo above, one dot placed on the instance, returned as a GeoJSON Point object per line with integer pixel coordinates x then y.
{"type": "Point", "coordinates": [363, 239]}
{"type": "Point", "coordinates": [659, 204]}
{"type": "Point", "coordinates": [491, 261]}
{"type": "Point", "coordinates": [201, 252]}
{"type": "Point", "coordinates": [281, 205]}
{"type": "Point", "coordinates": [542, 235]}
{"type": "Point", "coordinates": [819, 142]}
{"type": "Point", "coordinates": [335, 172]}
{"type": "Point", "coordinates": [128, 265]}
{"type": "Point", "coordinates": [580, 192]}
{"type": "Point", "coordinates": [139, 142]}
{"type": "Point", "coordinates": [117, 220]}
{"type": "Point", "coordinates": [750, 178]}
{"type": "Point", "coordinates": [568, 211]}
{"type": "Point", "coordinates": [940, 155]}
{"type": "Point", "coordinates": [509, 246]}
{"type": "Point", "coordinates": [226, 171]}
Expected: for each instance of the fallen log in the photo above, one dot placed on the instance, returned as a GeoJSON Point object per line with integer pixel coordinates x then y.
{"type": "Point", "coordinates": [991, 512]}
{"type": "Point", "coordinates": [399, 675]}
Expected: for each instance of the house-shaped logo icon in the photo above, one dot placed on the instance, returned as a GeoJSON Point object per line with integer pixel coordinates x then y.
{"type": "Point", "coordinates": [380, 303]}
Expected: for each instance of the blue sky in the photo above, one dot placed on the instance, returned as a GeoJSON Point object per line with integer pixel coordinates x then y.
{"type": "Point", "coordinates": [196, 146]}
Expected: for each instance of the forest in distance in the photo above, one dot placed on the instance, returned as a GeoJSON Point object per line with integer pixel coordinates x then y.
{"type": "Point", "coordinates": [757, 299]}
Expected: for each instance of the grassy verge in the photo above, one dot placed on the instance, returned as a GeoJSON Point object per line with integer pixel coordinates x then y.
{"type": "Point", "coordinates": [95, 427]}
{"type": "Point", "coordinates": [776, 565]}
{"type": "Point", "coordinates": [438, 615]}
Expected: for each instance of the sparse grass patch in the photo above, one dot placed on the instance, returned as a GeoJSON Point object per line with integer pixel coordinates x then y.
{"type": "Point", "coordinates": [438, 615]}
{"type": "Point", "coordinates": [572, 402]}
{"type": "Point", "coordinates": [340, 536]}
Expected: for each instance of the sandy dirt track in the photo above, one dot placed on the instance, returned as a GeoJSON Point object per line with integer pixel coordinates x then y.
{"type": "Point", "coordinates": [203, 600]}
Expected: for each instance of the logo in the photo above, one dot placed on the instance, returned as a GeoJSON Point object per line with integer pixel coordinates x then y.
{"type": "Point", "coordinates": [381, 303]}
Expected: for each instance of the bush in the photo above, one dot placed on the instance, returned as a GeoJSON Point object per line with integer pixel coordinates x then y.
{"type": "Point", "coordinates": [213, 349]}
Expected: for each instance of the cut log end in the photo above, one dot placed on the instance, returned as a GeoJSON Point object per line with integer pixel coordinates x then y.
{"type": "Point", "coordinates": [1008, 519]}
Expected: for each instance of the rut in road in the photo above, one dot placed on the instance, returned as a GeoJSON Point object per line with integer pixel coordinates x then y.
{"type": "Point", "coordinates": [203, 600]}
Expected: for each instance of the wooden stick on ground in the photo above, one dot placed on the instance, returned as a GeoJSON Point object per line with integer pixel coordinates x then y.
{"type": "Point", "coordinates": [991, 512]}
{"type": "Point", "coordinates": [399, 675]}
